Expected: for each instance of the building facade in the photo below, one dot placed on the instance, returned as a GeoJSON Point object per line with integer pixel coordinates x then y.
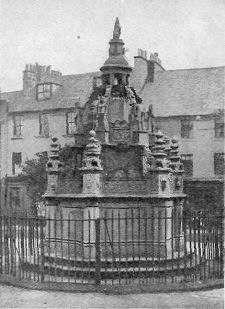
{"type": "Point", "coordinates": [190, 104]}
{"type": "Point", "coordinates": [186, 103]}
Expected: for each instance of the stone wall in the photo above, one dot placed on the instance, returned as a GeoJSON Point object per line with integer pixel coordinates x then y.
{"type": "Point", "coordinates": [204, 194]}
{"type": "Point", "coordinates": [15, 200]}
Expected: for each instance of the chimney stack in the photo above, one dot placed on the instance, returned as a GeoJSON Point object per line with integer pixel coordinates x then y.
{"type": "Point", "coordinates": [144, 68]}
{"type": "Point", "coordinates": [34, 74]}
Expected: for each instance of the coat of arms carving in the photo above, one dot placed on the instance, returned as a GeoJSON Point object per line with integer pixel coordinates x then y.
{"type": "Point", "coordinates": [120, 132]}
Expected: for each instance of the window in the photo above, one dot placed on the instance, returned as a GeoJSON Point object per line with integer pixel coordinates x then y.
{"type": "Point", "coordinates": [43, 125]}
{"type": "Point", "coordinates": [127, 79]}
{"type": "Point", "coordinates": [219, 163]}
{"type": "Point", "coordinates": [14, 197]}
{"type": "Point", "coordinates": [44, 91]}
{"type": "Point", "coordinates": [97, 82]}
{"type": "Point", "coordinates": [16, 162]}
{"type": "Point", "coordinates": [186, 129]}
{"type": "Point", "coordinates": [219, 127]}
{"type": "Point", "coordinates": [70, 123]}
{"type": "Point", "coordinates": [106, 79]}
{"type": "Point", "coordinates": [118, 80]}
{"type": "Point", "coordinates": [187, 160]}
{"type": "Point", "coordinates": [17, 126]}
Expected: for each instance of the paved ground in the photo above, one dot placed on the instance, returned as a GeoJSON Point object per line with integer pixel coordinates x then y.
{"type": "Point", "coordinates": [11, 297]}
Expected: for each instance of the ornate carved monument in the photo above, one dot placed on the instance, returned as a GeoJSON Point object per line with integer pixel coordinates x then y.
{"type": "Point", "coordinates": [114, 163]}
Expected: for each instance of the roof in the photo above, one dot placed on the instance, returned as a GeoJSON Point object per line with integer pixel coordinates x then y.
{"type": "Point", "coordinates": [73, 87]}
{"type": "Point", "coordinates": [173, 93]}
{"type": "Point", "coordinates": [117, 61]}
{"type": "Point", "coordinates": [185, 92]}
{"type": "Point", "coordinates": [3, 110]}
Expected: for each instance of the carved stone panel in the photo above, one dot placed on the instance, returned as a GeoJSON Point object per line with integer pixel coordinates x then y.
{"type": "Point", "coordinates": [120, 132]}
{"type": "Point", "coordinates": [122, 164]}
{"type": "Point", "coordinates": [115, 109]}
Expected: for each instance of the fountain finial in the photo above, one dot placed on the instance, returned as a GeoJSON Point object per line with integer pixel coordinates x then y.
{"type": "Point", "coordinates": [117, 29]}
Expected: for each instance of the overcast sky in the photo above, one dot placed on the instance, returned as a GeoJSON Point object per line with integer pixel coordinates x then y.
{"type": "Point", "coordinates": [73, 35]}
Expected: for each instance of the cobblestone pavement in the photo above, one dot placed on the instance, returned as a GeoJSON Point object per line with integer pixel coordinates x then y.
{"type": "Point", "coordinates": [12, 297]}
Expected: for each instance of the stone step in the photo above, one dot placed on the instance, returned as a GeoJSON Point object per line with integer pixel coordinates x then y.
{"type": "Point", "coordinates": [54, 269]}
{"type": "Point", "coordinates": [120, 262]}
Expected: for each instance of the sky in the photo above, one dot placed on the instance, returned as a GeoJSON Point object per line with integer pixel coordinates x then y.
{"type": "Point", "coordinates": [73, 35]}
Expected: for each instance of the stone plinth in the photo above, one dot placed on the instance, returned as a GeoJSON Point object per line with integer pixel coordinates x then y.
{"type": "Point", "coordinates": [92, 183]}
{"type": "Point", "coordinates": [150, 230]}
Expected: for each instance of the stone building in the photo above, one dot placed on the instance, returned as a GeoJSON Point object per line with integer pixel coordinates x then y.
{"type": "Point", "coordinates": [185, 103]}
{"type": "Point", "coordinates": [189, 104]}
{"type": "Point", "coordinates": [44, 108]}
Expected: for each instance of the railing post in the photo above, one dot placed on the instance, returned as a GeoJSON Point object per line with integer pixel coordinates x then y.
{"type": "Point", "coordinates": [221, 243]}
{"type": "Point", "coordinates": [97, 252]}
{"type": "Point", "coordinates": [1, 243]}
{"type": "Point", "coordinates": [42, 249]}
{"type": "Point", "coordinates": [185, 244]}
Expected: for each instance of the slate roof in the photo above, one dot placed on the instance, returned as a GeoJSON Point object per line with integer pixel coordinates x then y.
{"type": "Point", "coordinates": [186, 92]}
{"type": "Point", "coordinates": [73, 86]}
{"type": "Point", "coordinates": [173, 93]}
{"type": "Point", "coordinates": [118, 61]}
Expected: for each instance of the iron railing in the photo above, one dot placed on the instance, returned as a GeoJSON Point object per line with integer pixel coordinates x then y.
{"type": "Point", "coordinates": [119, 246]}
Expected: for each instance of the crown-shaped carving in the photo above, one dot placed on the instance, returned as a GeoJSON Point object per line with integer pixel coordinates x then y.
{"type": "Point", "coordinates": [54, 165]}
{"type": "Point", "coordinates": [91, 160]}
{"type": "Point", "coordinates": [167, 145]}
{"type": "Point", "coordinates": [175, 163]}
{"type": "Point", "coordinates": [158, 151]}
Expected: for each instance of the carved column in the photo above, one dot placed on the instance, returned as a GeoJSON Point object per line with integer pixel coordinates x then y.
{"type": "Point", "coordinates": [161, 182]}
{"type": "Point", "coordinates": [91, 166]}
{"type": "Point", "coordinates": [92, 186]}
{"type": "Point", "coordinates": [54, 166]}
{"type": "Point", "coordinates": [53, 211]}
{"type": "Point", "coordinates": [178, 171]}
